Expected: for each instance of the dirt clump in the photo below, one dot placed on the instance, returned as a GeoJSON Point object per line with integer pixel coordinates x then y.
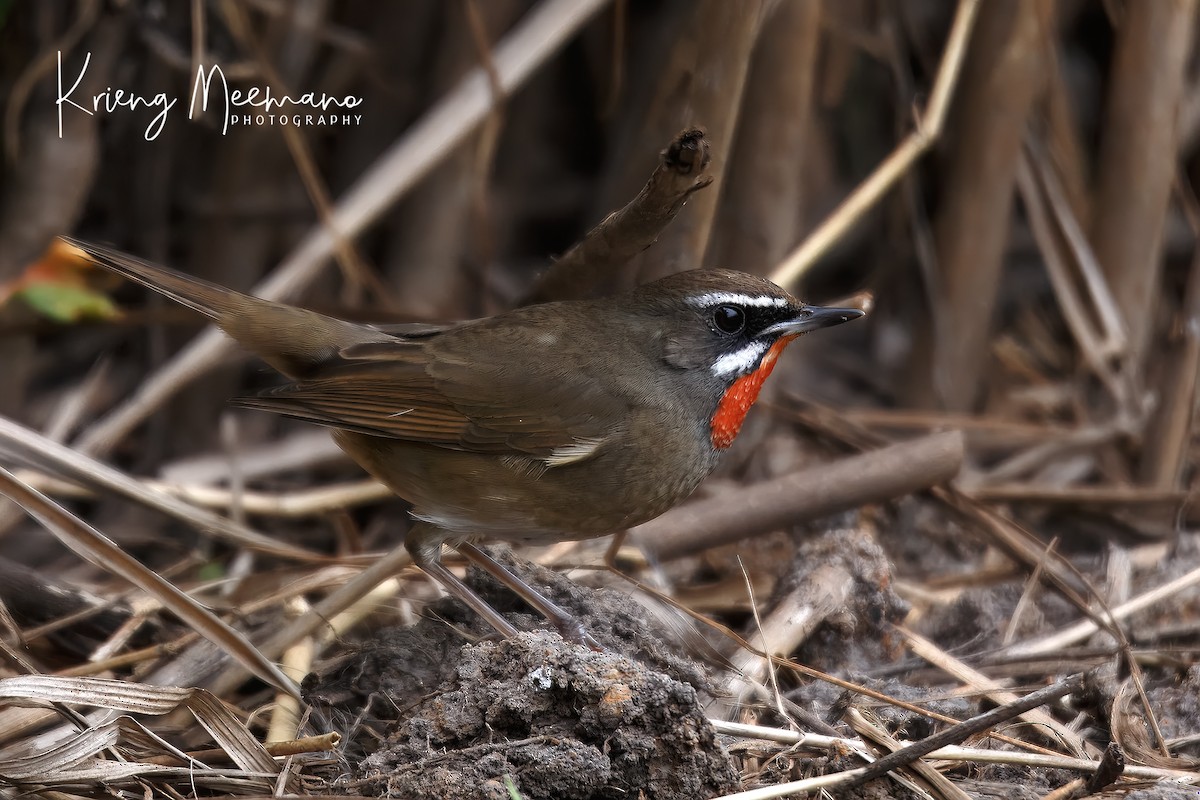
{"type": "Point", "coordinates": [560, 721]}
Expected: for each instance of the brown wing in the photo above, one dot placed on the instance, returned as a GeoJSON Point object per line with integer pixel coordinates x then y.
{"type": "Point", "coordinates": [438, 390]}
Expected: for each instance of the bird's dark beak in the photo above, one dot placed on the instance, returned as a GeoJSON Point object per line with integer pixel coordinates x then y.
{"type": "Point", "coordinates": [811, 318]}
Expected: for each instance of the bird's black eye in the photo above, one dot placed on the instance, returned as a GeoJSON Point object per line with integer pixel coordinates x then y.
{"type": "Point", "coordinates": [729, 319]}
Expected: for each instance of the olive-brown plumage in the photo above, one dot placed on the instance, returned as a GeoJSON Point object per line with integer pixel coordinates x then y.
{"type": "Point", "coordinates": [556, 421]}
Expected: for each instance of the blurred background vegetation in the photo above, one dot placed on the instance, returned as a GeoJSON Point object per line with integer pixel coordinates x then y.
{"type": "Point", "coordinates": [1008, 184]}
{"type": "Point", "coordinates": [1011, 181]}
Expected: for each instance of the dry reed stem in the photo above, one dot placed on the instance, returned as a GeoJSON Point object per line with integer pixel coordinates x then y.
{"type": "Point", "coordinates": [439, 234]}
{"type": "Point", "coordinates": [700, 84]}
{"type": "Point", "coordinates": [298, 504]}
{"type": "Point", "coordinates": [296, 662]}
{"type": "Point", "coordinates": [1136, 163]}
{"type": "Point", "coordinates": [762, 199]}
{"type": "Point", "coordinates": [1168, 430]}
{"type": "Point", "coordinates": [790, 622]}
{"type": "Point", "coordinates": [871, 477]}
{"type": "Point", "coordinates": [926, 134]}
{"type": "Point", "coordinates": [1096, 325]}
{"type": "Point", "coordinates": [1000, 80]}
{"type": "Point", "coordinates": [355, 271]}
{"type": "Point", "coordinates": [344, 597]}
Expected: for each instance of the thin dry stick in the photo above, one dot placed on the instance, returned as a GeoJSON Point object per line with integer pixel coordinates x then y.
{"type": "Point", "coordinates": [297, 660]}
{"type": "Point", "coordinates": [923, 648]}
{"type": "Point", "coordinates": [1097, 347]}
{"type": "Point", "coordinates": [682, 170]}
{"type": "Point", "coordinates": [951, 753]}
{"type": "Point", "coordinates": [970, 727]}
{"type": "Point", "coordinates": [1111, 766]}
{"type": "Point", "coordinates": [793, 619]}
{"type": "Point", "coordinates": [876, 733]}
{"type": "Point", "coordinates": [488, 141]}
{"type": "Point", "coordinates": [1135, 669]}
{"type": "Point", "coordinates": [925, 135]}
{"type": "Point", "coordinates": [199, 35]}
{"type": "Point", "coordinates": [806, 671]}
{"type": "Point", "coordinates": [1104, 304]}
{"type": "Point", "coordinates": [699, 78]}
{"type": "Point", "coordinates": [1026, 600]}
{"type": "Point", "coordinates": [1099, 495]}
{"type": "Point", "coordinates": [31, 447]}
{"type": "Point", "coordinates": [999, 81]}
{"type": "Point", "coordinates": [761, 199]}
{"type": "Point", "coordinates": [795, 788]}
{"type": "Point", "coordinates": [768, 663]}
{"type": "Point", "coordinates": [1082, 440]}
{"type": "Point", "coordinates": [1081, 630]}
{"type": "Point", "coordinates": [304, 585]}
{"type": "Point", "coordinates": [436, 135]}
{"type": "Point", "coordinates": [306, 448]}
{"type": "Point", "coordinates": [1019, 544]}
{"type": "Point", "coordinates": [42, 65]}
{"type": "Point", "coordinates": [1137, 158]}
{"type": "Point", "coordinates": [300, 503]}
{"type": "Point", "coordinates": [77, 402]}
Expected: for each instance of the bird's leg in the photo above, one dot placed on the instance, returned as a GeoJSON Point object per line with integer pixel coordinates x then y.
{"type": "Point", "coordinates": [426, 554]}
{"type": "Point", "coordinates": [567, 626]}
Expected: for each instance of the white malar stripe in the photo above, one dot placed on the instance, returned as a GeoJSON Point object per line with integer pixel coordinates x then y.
{"type": "Point", "coordinates": [741, 361]}
{"type": "Point", "coordinates": [738, 299]}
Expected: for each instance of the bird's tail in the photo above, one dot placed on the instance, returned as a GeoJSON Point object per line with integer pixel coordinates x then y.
{"type": "Point", "coordinates": [209, 299]}
{"type": "Point", "coordinates": [293, 340]}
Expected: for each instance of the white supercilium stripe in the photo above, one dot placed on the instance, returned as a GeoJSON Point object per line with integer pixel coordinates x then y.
{"type": "Point", "coordinates": [740, 361]}
{"type": "Point", "coordinates": [738, 299]}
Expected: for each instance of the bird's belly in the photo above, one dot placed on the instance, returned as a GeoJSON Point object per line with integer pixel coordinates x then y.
{"type": "Point", "coordinates": [486, 496]}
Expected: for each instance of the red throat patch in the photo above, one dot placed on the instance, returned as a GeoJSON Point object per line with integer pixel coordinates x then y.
{"type": "Point", "coordinates": [735, 403]}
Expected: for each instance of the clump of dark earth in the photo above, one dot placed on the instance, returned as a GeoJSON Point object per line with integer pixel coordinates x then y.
{"type": "Point", "coordinates": [561, 721]}
{"type": "Point", "coordinates": [1177, 705]}
{"type": "Point", "coordinates": [825, 698]}
{"type": "Point", "coordinates": [1163, 791]}
{"type": "Point", "coordinates": [979, 618]}
{"type": "Point", "coordinates": [1006, 781]}
{"type": "Point", "coordinates": [406, 663]}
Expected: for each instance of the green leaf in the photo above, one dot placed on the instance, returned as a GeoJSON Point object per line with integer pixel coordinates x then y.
{"type": "Point", "coordinates": [66, 303]}
{"type": "Point", "coordinates": [212, 571]}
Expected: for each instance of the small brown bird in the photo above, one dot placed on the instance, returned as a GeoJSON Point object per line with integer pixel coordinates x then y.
{"type": "Point", "coordinates": [558, 421]}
